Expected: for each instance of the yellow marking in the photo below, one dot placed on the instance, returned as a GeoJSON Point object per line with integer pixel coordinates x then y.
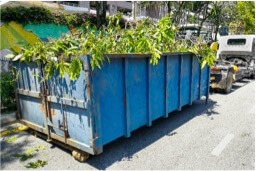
{"type": "Point", "coordinates": [212, 78]}
{"type": "Point", "coordinates": [10, 131]}
{"type": "Point", "coordinates": [29, 36]}
{"type": "Point", "coordinates": [12, 41]}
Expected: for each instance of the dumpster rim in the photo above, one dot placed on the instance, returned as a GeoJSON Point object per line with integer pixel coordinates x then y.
{"type": "Point", "coordinates": [142, 55]}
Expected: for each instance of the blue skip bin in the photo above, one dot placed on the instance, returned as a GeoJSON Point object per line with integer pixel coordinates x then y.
{"type": "Point", "coordinates": [104, 104]}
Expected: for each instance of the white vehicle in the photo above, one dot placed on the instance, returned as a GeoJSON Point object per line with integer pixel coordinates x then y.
{"type": "Point", "coordinates": [236, 46]}
{"type": "Point", "coordinates": [235, 60]}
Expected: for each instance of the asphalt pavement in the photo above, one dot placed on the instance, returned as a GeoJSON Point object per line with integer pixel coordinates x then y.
{"type": "Point", "coordinates": [219, 135]}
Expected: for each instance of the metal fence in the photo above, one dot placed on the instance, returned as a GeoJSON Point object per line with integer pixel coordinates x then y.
{"type": "Point", "coordinates": [5, 63]}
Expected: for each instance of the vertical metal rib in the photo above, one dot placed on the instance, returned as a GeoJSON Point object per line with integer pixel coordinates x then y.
{"type": "Point", "coordinates": [180, 80]}
{"type": "Point", "coordinates": [148, 92]}
{"type": "Point", "coordinates": [166, 86]}
{"type": "Point", "coordinates": [127, 114]}
{"type": "Point", "coordinates": [45, 102]}
{"type": "Point", "coordinates": [191, 79]}
{"type": "Point", "coordinates": [200, 80]}
{"type": "Point", "coordinates": [208, 84]}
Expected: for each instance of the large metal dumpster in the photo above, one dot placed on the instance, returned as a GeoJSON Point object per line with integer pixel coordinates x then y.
{"type": "Point", "coordinates": [104, 104]}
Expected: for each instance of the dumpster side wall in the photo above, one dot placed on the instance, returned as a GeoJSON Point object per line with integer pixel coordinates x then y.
{"type": "Point", "coordinates": [29, 89]}
{"type": "Point", "coordinates": [130, 92]}
{"type": "Point", "coordinates": [66, 110]}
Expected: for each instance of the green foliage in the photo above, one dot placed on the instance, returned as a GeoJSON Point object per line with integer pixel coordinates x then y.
{"type": "Point", "coordinates": [144, 36]}
{"type": "Point", "coordinates": [75, 68]}
{"type": "Point", "coordinates": [30, 150]}
{"type": "Point", "coordinates": [35, 149]}
{"type": "Point", "coordinates": [11, 139]}
{"type": "Point", "coordinates": [29, 154]}
{"type": "Point", "coordinates": [245, 13]}
{"type": "Point", "coordinates": [39, 147]}
{"type": "Point", "coordinates": [203, 52]}
{"type": "Point", "coordinates": [7, 81]}
{"type": "Point", "coordinates": [62, 54]}
{"type": "Point", "coordinates": [38, 14]}
{"type": "Point", "coordinates": [24, 156]}
{"type": "Point", "coordinates": [36, 164]}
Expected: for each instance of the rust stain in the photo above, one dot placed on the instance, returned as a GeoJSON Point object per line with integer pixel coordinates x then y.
{"type": "Point", "coordinates": [42, 108]}
{"type": "Point", "coordinates": [52, 112]}
{"type": "Point", "coordinates": [92, 142]}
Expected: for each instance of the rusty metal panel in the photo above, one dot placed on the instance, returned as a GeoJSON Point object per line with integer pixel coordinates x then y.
{"type": "Point", "coordinates": [28, 93]}
{"type": "Point", "coordinates": [59, 105]}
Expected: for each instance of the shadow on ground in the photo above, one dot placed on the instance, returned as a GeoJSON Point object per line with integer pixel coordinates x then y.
{"type": "Point", "coordinates": [240, 84]}
{"type": "Point", "coordinates": [10, 149]}
{"type": "Point", "coordinates": [236, 86]}
{"type": "Point", "coordinates": [125, 148]}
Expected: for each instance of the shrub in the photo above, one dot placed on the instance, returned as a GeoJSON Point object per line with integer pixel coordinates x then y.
{"type": "Point", "coordinates": [38, 15]}
{"type": "Point", "coordinates": [7, 90]}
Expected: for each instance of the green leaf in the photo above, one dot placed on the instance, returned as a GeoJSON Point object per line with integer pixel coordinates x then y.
{"type": "Point", "coordinates": [17, 57]}
{"type": "Point", "coordinates": [23, 156]}
{"type": "Point", "coordinates": [203, 64]}
{"type": "Point", "coordinates": [73, 48]}
{"type": "Point", "coordinates": [75, 68]}
{"type": "Point", "coordinates": [11, 139]}
{"type": "Point", "coordinates": [9, 56]}
{"type": "Point", "coordinates": [30, 150]}
{"type": "Point", "coordinates": [36, 164]}
{"type": "Point", "coordinates": [53, 49]}
{"type": "Point", "coordinates": [36, 75]}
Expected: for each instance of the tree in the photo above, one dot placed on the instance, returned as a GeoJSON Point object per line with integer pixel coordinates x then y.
{"type": "Point", "coordinates": [176, 8]}
{"type": "Point", "coordinates": [101, 7]}
{"type": "Point", "coordinates": [222, 14]}
{"type": "Point", "coordinates": [245, 14]}
{"type": "Point", "coordinates": [152, 8]}
{"type": "Point", "coordinates": [240, 14]}
{"type": "Point", "coordinates": [203, 11]}
{"type": "Point", "coordinates": [180, 6]}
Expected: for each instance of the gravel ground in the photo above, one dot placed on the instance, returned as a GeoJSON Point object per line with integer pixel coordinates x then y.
{"type": "Point", "coordinates": [183, 141]}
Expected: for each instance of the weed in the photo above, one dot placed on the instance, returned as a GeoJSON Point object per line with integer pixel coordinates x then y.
{"type": "Point", "coordinates": [23, 156]}
{"type": "Point", "coordinates": [11, 139]}
{"type": "Point", "coordinates": [30, 150]}
{"type": "Point", "coordinates": [36, 164]}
